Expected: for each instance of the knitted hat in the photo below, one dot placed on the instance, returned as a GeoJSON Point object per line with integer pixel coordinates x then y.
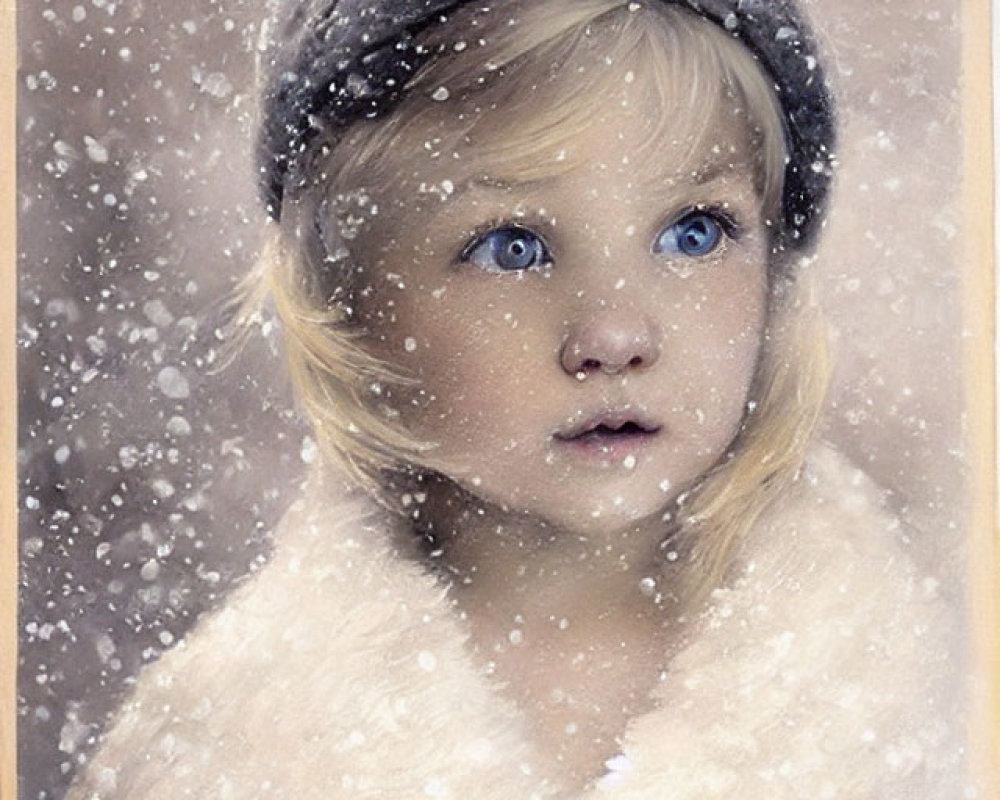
{"type": "Point", "coordinates": [334, 62]}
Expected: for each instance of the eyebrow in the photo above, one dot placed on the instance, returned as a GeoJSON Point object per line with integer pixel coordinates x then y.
{"type": "Point", "coordinates": [507, 184]}
{"type": "Point", "coordinates": [709, 171]}
{"type": "Point", "coordinates": [494, 184]}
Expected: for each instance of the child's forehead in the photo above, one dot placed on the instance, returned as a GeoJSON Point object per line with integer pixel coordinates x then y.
{"type": "Point", "coordinates": [498, 156]}
{"type": "Point", "coordinates": [675, 113]}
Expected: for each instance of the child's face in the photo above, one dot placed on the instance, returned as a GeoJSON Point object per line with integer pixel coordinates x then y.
{"type": "Point", "coordinates": [585, 343]}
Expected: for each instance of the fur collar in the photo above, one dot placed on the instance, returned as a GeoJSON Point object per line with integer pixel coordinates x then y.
{"type": "Point", "coordinates": [822, 670]}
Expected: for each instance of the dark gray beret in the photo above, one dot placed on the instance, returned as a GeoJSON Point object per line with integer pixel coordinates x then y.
{"type": "Point", "coordinates": [334, 62]}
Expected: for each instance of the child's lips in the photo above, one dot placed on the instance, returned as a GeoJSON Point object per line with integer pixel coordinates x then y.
{"type": "Point", "coordinates": [610, 436]}
{"type": "Point", "coordinates": [611, 446]}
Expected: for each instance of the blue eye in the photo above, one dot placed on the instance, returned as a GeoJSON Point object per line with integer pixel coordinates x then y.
{"type": "Point", "coordinates": [510, 248]}
{"type": "Point", "coordinates": [695, 234]}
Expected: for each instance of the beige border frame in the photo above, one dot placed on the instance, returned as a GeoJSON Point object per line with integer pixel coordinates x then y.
{"type": "Point", "coordinates": [8, 402]}
{"type": "Point", "coordinates": [979, 372]}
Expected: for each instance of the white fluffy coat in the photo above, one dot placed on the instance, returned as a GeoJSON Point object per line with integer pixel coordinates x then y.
{"type": "Point", "coordinates": [824, 669]}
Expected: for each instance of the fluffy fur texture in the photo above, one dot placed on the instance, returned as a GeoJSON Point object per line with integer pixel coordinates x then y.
{"type": "Point", "coordinates": [823, 669]}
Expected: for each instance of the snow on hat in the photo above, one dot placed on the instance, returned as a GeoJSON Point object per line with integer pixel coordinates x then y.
{"type": "Point", "coordinates": [334, 62]}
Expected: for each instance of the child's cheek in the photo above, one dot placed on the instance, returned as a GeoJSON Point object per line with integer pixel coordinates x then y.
{"type": "Point", "coordinates": [475, 350]}
{"type": "Point", "coordinates": [712, 347]}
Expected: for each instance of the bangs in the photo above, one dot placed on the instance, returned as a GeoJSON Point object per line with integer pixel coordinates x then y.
{"type": "Point", "coordinates": [510, 97]}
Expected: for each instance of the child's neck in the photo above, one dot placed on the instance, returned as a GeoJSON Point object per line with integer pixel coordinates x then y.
{"type": "Point", "coordinates": [575, 625]}
{"type": "Point", "coordinates": [498, 559]}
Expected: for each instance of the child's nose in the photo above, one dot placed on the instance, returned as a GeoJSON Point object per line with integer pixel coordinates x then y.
{"type": "Point", "coordinates": [610, 341]}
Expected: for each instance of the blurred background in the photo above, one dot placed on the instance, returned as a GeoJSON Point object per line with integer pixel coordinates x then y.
{"type": "Point", "coordinates": [150, 472]}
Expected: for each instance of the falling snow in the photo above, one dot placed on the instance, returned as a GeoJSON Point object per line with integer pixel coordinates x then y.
{"type": "Point", "coordinates": [173, 383]}
{"type": "Point", "coordinates": [154, 458]}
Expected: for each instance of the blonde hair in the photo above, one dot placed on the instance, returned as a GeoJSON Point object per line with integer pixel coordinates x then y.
{"type": "Point", "coordinates": [480, 62]}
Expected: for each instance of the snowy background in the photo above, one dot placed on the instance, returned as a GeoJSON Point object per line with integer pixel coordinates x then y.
{"type": "Point", "coordinates": [149, 475]}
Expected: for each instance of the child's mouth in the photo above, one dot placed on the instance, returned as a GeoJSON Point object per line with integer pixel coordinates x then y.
{"type": "Point", "coordinates": [610, 437]}
{"type": "Point", "coordinates": [607, 433]}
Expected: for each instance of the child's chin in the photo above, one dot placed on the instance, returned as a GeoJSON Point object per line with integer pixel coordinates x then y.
{"type": "Point", "coordinates": [589, 511]}
{"type": "Point", "coordinates": [605, 517]}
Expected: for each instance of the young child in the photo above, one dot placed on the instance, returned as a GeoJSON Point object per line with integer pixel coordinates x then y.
{"type": "Point", "coordinates": [542, 269]}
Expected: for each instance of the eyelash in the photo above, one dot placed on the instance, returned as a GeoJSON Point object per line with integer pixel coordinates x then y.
{"type": "Point", "coordinates": [728, 230]}
{"type": "Point", "coordinates": [526, 224]}
{"type": "Point", "coordinates": [728, 222]}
